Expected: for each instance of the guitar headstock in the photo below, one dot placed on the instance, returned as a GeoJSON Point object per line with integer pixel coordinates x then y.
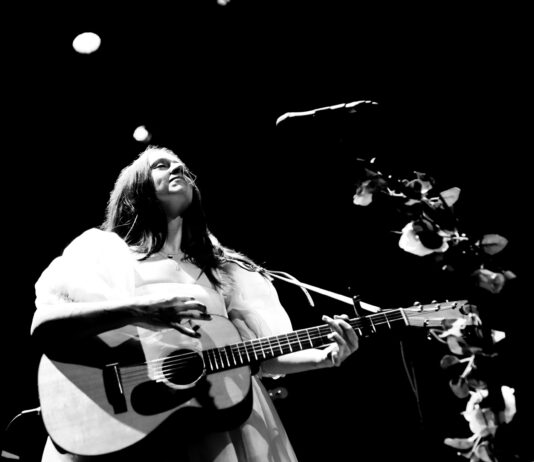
{"type": "Point", "coordinates": [433, 314]}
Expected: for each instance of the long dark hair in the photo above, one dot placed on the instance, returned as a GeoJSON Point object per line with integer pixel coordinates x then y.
{"type": "Point", "coordinates": [136, 215]}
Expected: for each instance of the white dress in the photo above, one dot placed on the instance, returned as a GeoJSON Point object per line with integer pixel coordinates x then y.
{"type": "Point", "coordinates": [98, 266]}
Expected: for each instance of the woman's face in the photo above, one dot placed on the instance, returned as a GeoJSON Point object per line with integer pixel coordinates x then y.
{"type": "Point", "coordinates": [172, 180]}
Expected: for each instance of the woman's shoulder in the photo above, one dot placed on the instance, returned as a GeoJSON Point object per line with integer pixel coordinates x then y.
{"type": "Point", "coordinates": [248, 283]}
{"type": "Point", "coordinates": [234, 261]}
{"type": "Point", "coordinates": [238, 272]}
{"type": "Point", "coordinates": [95, 239]}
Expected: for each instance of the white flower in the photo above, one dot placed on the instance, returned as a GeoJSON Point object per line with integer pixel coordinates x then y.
{"type": "Point", "coordinates": [362, 199]}
{"type": "Point", "coordinates": [363, 195]}
{"type": "Point", "coordinates": [482, 421]}
{"type": "Point", "coordinates": [456, 328]}
{"type": "Point", "coordinates": [508, 395]}
{"type": "Point", "coordinates": [410, 242]}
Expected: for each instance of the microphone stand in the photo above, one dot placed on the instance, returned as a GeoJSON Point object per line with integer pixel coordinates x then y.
{"type": "Point", "coordinates": [351, 107]}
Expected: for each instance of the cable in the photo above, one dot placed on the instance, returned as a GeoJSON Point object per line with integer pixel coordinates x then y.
{"type": "Point", "coordinates": [8, 454]}
{"type": "Point", "coordinates": [410, 374]}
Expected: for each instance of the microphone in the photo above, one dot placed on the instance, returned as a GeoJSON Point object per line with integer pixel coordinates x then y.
{"type": "Point", "coordinates": [349, 107]}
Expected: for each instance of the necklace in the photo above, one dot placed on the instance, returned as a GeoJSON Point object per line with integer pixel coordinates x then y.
{"type": "Point", "coordinates": [179, 254]}
{"type": "Point", "coordinates": [175, 257]}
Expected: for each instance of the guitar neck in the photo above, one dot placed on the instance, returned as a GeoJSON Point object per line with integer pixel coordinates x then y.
{"type": "Point", "coordinates": [261, 349]}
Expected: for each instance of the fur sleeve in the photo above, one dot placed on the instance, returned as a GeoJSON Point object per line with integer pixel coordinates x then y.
{"type": "Point", "coordinates": [97, 265]}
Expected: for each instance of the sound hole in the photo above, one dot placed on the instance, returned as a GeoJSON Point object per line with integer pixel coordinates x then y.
{"type": "Point", "coordinates": [183, 367]}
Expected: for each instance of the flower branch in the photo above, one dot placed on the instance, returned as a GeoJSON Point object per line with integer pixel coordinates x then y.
{"type": "Point", "coordinates": [430, 229]}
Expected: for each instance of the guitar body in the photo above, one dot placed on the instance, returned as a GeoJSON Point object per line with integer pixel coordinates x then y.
{"type": "Point", "coordinates": [97, 407]}
{"type": "Point", "coordinates": [135, 381]}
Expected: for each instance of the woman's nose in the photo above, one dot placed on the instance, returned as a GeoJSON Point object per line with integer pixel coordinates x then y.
{"type": "Point", "coordinates": [177, 169]}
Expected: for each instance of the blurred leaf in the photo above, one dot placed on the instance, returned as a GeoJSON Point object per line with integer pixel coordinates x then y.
{"type": "Point", "coordinates": [451, 195]}
{"type": "Point", "coordinates": [489, 280]}
{"type": "Point", "coordinates": [460, 443]}
{"type": "Point", "coordinates": [456, 344]}
{"type": "Point", "coordinates": [493, 243]}
{"type": "Point", "coordinates": [449, 361]}
{"type": "Point", "coordinates": [459, 387]}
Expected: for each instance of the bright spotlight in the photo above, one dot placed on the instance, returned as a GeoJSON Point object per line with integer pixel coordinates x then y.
{"type": "Point", "coordinates": [141, 134]}
{"type": "Point", "coordinates": [86, 43]}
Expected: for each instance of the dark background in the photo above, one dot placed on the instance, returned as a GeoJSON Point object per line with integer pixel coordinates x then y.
{"type": "Point", "coordinates": [209, 82]}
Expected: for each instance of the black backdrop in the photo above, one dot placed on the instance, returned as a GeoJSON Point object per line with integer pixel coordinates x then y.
{"type": "Point", "coordinates": [209, 81]}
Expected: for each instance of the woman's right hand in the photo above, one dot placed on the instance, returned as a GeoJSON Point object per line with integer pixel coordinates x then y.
{"type": "Point", "coordinates": [170, 312]}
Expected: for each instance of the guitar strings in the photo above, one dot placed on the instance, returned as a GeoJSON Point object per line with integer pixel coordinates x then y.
{"type": "Point", "coordinates": [260, 347]}
{"type": "Point", "coordinates": [183, 360]}
{"type": "Point", "coordinates": [264, 344]}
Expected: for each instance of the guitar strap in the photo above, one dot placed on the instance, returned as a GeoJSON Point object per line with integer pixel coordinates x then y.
{"type": "Point", "coordinates": [283, 276]}
{"type": "Point", "coordinates": [305, 287]}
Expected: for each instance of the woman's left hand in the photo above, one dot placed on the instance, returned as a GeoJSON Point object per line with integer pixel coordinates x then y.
{"type": "Point", "coordinates": [346, 340]}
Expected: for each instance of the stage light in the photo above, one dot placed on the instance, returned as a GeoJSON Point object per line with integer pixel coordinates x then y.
{"type": "Point", "coordinates": [142, 135]}
{"type": "Point", "coordinates": [86, 43]}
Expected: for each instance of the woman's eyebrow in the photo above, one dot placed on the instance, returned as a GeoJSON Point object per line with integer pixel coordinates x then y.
{"type": "Point", "coordinates": [160, 159]}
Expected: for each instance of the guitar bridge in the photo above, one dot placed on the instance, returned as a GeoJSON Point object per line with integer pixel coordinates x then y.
{"type": "Point", "coordinates": [113, 387]}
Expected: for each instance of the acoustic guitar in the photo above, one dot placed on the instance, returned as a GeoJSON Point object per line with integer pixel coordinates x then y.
{"type": "Point", "coordinates": [96, 407]}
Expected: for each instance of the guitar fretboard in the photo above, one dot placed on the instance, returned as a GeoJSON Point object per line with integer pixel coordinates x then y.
{"type": "Point", "coordinates": [261, 349]}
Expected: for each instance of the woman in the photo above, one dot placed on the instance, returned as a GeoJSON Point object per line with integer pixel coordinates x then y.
{"type": "Point", "coordinates": [152, 270]}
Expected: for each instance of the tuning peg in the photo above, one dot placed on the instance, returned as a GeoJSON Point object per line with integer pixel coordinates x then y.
{"type": "Point", "coordinates": [357, 306]}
